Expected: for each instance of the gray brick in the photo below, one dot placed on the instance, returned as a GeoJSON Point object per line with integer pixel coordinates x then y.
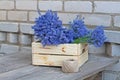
{"type": "Point", "coordinates": [107, 7]}
{"type": "Point", "coordinates": [17, 15]}
{"type": "Point", "coordinates": [26, 49]}
{"type": "Point", "coordinates": [25, 39]}
{"type": "Point", "coordinates": [35, 39]}
{"type": "Point", "coordinates": [12, 38]}
{"type": "Point", "coordinates": [78, 6]}
{"type": "Point", "coordinates": [31, 4]}
{"type": "Point", "coordinates": [33, 15]}
{"type": "Point", "coordinates": [67, 17]}
{"type": "Point", "coordinates": [2, 15]}
{"type": "Point", "coordinates": [6, 4]}
{"type": "Point", "coordinates": [95, 50]}
{"type": "Point", "coordinates": [26, 28]}
{"type": "Point", "coordinates": [109, 75]}
{"type": "Point", "coordinates": [113, 36]}
{"type": "Point", "coordinates": [53, 5]}
{"type": "Point", "coordinates": [2, 36]}
{"type": "Point", "coordinates": [117, 21]}
{"type": "Point", "coordinates": [115, 67]}
{"type": "Point", "coordinates": [113, 49]}
{"type": "Point", "coordinates": [7, 48]}
{"type": "Point", "coordinates": [97, 19]}
{"type": "Point", "coordinates": [8, 27]}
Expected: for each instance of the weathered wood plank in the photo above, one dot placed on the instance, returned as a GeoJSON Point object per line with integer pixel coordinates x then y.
{"type": "Point", "coordinates": [17, 73]}
{"type": "Point", "coordinates": [90, 68]}
{"type": "Point", "coordinates": [93, 66]}
{"type": "Point", "coordinates": [62, 49]}
{"type": "Point", "coordinates": [14, 61]}
{"type": "Point", "coordinates": [15, 65]}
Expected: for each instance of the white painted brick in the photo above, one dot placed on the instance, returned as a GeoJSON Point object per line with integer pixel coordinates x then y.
{"type": "Point", "coordinates": [95, 19]}
{"type": "Point", "coordinates": [26, 5]}
{"type": "Point", "coordinates": [2, 36]}
{"type": "Point", "coordinates": [8, 27]}
{"type": "Point", "coordinates": [26, 28]}
{"type": "Point", "coordinates": [17, 15]}
{"type": "Point", "coordinates": [51, 5]}
{"type": "Point", "coordinates": [6, 4]}
{"type": "Point", "coordinates": [107, 7]}
{"type": "Point", "coordinates": [25, 39]}
{"type": "Point", "coordinates": [78, 6]}
{"type": "Point", "coordinates": [12, 38]}
{"type": "Point", "coordinates": [95, 50]}
{"type": "Point", "coordinates": [117, 21]}
{"type": "Point", "coordinates": [109, 76]}
{"type": "Point", "coordinates": [6, 48]}
{"type": "Point", "coordinates": [67, 17]}
{"type": "Point", "coordinates": [33, 16]}
{"type": "Point", "coordinates": [113, 49]}
{"type": "Point", "coordinates": [2, 15]}
{"type": "Point", "coordinates": [113, 36]}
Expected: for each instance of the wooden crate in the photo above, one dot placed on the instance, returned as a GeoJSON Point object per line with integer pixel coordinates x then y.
{"type": "Point", "coordinates": [54, 55]}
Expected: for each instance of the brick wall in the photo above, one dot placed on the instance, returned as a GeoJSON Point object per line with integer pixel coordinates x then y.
{"type": "Point", "coordinates": [17, 17]}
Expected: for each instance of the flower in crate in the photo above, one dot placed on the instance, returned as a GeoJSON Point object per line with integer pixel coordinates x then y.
{"type": "Point", "coordinates": [97, 36]}
{"type": "Point", "coordinates": [84, 35]}
{"type": "Point", "coordinates": [50, 31]}
{"type": "Point", "coordinates": [47, 28]}
{"type": "Point", "coordinates": [66, 36]}
{"type": "Point", "coordinates": [79, 28]}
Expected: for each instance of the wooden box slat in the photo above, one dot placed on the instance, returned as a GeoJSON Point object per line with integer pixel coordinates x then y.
{"type": "Point", "coordinates": [56, 60]}
{"type": "Point", "coordinates": [62, 49]}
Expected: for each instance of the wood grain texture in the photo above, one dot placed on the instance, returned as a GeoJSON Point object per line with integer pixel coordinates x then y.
{"type": "Point", "coordinates": [56, 60]}
{"type": "Point", "coordinates": [62, 49]}
{"type": "Point", "coordinates": [90, 68]}
{"type": "Point", "coordinates": [55, 55]}
{"type": "Point", "coordinates": [10, 62]}
{"type": "Point", "coordinates": [23, 70]}
{"type": "Point", "coordinates": [70, 66]}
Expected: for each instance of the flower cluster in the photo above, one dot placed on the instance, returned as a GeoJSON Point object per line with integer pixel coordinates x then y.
{"type": "Point", "coordinates": [47, 28]}
{"type": "Point", "coordinates": [50, 31]}
{"type": "Point", "coordinates": [66, 36]}
{"type": "Point", "coordinates": [97, 36]}
{"type": "Point", "coordinates": [79, 28]}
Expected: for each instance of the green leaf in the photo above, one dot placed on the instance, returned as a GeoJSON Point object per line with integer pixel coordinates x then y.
{"type": "Point", "coordinates": [81, 40]}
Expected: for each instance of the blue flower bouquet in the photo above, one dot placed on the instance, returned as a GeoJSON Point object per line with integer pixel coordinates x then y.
{"type": "Point", "coordinates": [57, 43]}
{"type": "Point", "coordinates": [49, 30]}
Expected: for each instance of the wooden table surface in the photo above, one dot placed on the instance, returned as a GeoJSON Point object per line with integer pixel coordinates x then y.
{"type": "Point", "coordinates": [18, 66]}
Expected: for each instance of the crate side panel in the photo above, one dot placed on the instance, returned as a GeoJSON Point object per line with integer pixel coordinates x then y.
{"type": "Point", "coordinates": [62, 49]}
{"type": "Point", "coordinates": [82, 48]}
{"type": "Point", "coordinates": [55, 60]}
